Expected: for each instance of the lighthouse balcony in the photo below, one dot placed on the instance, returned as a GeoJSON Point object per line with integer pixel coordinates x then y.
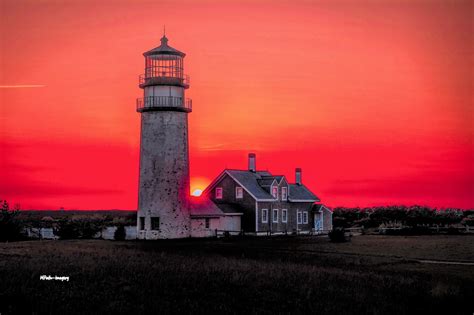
{"type": "Point", "coordinates": [165, 78]}
{"type": "Point", "coordinates": [164, 103]}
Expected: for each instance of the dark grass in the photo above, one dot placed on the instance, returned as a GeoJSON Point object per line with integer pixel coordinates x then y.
{"type": "Point", "coordinates": [370, 275]}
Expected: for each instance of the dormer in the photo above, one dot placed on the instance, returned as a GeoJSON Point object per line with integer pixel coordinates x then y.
{"type": "Point", "coordinates": [283, 189]}
{"type": "Point", "coordinates": [274, 189]}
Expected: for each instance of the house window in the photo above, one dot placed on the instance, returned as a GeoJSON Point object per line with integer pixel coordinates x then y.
{"type": "Point", "coordinates": [284, 215]}
{"type": "Point", "coordinates": [208, 223]}
{"type": "Point", "coordinates": [264, 216]}
{"type": "Point", "coordinates": [299, 217]}
{"type": "Point", "coordinates": [275, 216]}
{"type": "Point", "coordinates": [155, 223]}
{"type": "Point", "coordinates": [239, 193]}
{"type": "Point", "coordinates": [275, 192]}
{"type": "Point", "coordinates": [142, 223]}
{"type": "Point", "coordinates": [284, 193]}
{"type": "Point", "coordinates": [219, 193]}
{"type": "Point", "coordinates": [305, 217]}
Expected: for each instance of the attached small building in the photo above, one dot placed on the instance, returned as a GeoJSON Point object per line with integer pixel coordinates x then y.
{"type": "Point", "coordinates": [258, 202]}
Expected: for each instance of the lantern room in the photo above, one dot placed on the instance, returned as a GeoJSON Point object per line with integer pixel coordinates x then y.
{"type": "Point", "coordinates": [164, 66]}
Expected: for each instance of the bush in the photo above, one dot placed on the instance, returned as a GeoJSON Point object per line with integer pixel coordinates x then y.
{"type": "Point", "coordinates": [67, 230]}
{"type": "Point", "coordinates": [468, 220]}
{"type": "Point", "coordinates": [120, 233]}
{"type": "Point", "coordinates": [338, 235]}
{"type": "Point", "coordinates": [79, 228]}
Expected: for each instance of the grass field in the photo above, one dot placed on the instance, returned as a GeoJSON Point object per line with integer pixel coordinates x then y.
{"type": "Point", "coordinates": [369, 275]}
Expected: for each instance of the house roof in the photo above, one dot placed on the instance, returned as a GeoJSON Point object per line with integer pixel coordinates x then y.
{"type": "Point", "coordinates": [301, 192]}
{"type": "Point", "coordinates": [230, 208]}
{"type": "Point", "coordinates": [279, 178]}
{"type": "Point", "coordinates": [164, 49]}
{"type": "Point", "coordinates": [320, 207]}
{"type": "Point", "coordinates": [249, 182]}
{"type": "Point", "coordinates": [204, 207]}
{"type": "Point", "coordinates": [266, 181]}
{"type": "Point", "coordinates": [258, 184]}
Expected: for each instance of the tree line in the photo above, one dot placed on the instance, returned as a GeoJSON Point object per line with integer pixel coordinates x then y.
{"type": "Point", "coordinates": [398, 216]}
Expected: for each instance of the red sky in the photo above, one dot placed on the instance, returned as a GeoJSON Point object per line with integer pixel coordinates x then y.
{"type": "Point", "coordinates": [373, 99]}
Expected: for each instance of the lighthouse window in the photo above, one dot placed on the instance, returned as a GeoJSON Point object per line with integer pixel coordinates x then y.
{"type": "Point", "coordinates": [155, 223]}
{"type": "Point", "coordinates": [239, 193]}
{"type": "Point", "coordinates": [219, 193]}
{"type": "Point", "coordinates": [142, 223]}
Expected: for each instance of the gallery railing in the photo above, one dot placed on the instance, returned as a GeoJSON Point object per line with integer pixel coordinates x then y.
{"type": "Point", "coordinates": [164, 78]}
{"type": "Point", "coordinates": [163, 103]}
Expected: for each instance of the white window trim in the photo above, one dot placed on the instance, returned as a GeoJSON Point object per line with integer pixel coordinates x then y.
{"type": "Point", "coordinates": [299, 217]}
{"type": "Point", "coordinates": [222, 193]}
{"type": "Point", "coordinates": [286, 215]}
{"type": "Point", "coordinates": [275, 217]}
{"type": "Point", "coordinates": [275, 196]}
{"type": "Point", "coordinates": [266, 215]}
{"type": "Point", "coordinates": [241, 192]}
{"type": "Point", "coordinates": [305, 216]}
{"type": "Point", "coordinates": [286, 193]}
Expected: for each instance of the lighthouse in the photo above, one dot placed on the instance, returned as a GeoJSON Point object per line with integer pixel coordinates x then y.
{"type": "Point", "coordinates": [163, 195]}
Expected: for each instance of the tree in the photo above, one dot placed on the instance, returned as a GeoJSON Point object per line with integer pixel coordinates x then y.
{"type": "Point", "coordinates": [10, 228]}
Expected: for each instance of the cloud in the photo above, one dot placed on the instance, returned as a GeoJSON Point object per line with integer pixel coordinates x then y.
{"type": "Point", "coordinates": [22, 86]}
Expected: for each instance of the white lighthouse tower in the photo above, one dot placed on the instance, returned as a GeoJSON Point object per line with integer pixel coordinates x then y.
{"type": "Point", "coordinates": [164, 159]}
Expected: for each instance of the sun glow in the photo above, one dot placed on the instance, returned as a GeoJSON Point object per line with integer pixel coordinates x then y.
{"type": "Point", "coordinates": [197, 192]}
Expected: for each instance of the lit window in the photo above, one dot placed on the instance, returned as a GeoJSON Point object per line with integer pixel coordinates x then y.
{"type": "Point", "coordinates": [275, 216]}
{"type": "Point", "coordinates": [142, 223]}
{"type": "Point", "coordinates": [219, 193]}
{"type": "Point", "coordinates": [208, 223]}
{"type": "Point", "coordinates": [239, 193]}
{"type": "Point", "coordinates": [264, 216]}
{"type": "Point", "coordinates": [284, 193]}
{"type": "Point", "coordinates": [299, 216]}
{"type": "Point", "coordinates": [275, 192]}
{"type": "Point", "coordinates": [284, 215]}
{"type": "Point", "coordinates": [155, 223]}
{"type": "Point", "coordinates": [305, 217]}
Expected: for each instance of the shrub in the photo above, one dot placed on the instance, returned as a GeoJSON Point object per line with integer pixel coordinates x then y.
{"type": "Point", "coordinates": [79, 228]}
{"type": "Point", "coordinates": [67, 230]}
{"type": "Point", "coordinates": [338, 235]}
{"type": "Point", "coordinates": [120, 233]}
{"type": "Point", "coordinates": [468, 220]}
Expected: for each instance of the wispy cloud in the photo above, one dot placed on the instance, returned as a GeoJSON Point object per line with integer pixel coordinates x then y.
{"type": "Point", "coordinates": [22, 86]}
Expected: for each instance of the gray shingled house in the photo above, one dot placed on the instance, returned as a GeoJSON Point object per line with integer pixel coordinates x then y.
{"type": "Point", "coordinates": [263, 202]}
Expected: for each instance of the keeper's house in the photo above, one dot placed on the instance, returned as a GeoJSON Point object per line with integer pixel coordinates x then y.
{"type": "Point", "coordinates": [258, 202]}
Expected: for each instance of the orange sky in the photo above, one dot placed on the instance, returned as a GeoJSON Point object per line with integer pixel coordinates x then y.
{"type": "Point", "coordinates": [373, 99]}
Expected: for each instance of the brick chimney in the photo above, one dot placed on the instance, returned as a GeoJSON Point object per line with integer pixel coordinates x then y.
{"type": "Point", "coordinates": [252, 163]}
{"type": "Point", "coordinates": [298, 176]}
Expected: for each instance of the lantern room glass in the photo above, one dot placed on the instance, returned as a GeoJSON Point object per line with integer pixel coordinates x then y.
{"type": "Point", "coordinates": [162, 65]}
